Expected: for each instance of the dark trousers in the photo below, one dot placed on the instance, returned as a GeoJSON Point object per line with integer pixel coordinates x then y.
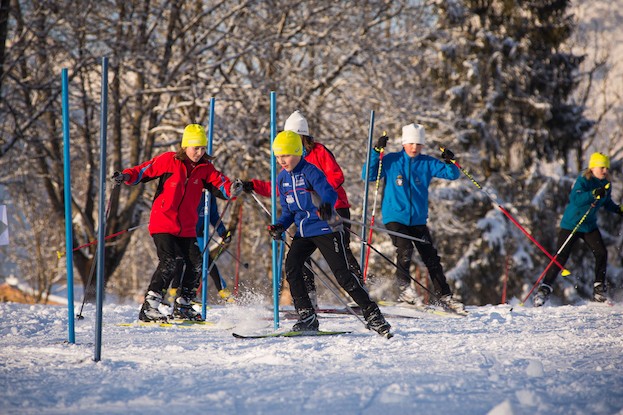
{"type": "Point", "coordinates": [427, 251]}
{"type": "Point", "coordinates": [595, 243]}
{"type": "Point", "coordinates": [353, 264]}
{"type": "Point", "coordinates": [183, 272]}
{"type": "Point", "coordinates": [169, 248]}
{"type": "Point", "coordinates": [333, 250]}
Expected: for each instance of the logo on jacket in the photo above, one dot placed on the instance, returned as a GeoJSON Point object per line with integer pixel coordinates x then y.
{"type": "Point", "coordinates": [399, 180]}
{"type": "Point", "coordinates": [289, 199]}
{"type": "Point", "coordinates": [196, 181]}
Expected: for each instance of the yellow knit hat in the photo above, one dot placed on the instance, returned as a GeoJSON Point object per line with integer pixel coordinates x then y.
{"type": "Point", "coordinates": [194, 136]}
{"type": "Point", "coordinates": [288, 143]}
{"type": "Point", "coordinates": [598, 160]}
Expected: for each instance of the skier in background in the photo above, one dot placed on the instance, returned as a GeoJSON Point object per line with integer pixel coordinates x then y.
{"type": "Point", "coordinates": [408, 174]}
{"type": "Point", "coordinates": [185, 272]}
{"type": "Point", "coordinates": [183, 176]}
{"type": "Point", "coordinates": [590, 191]}
{"type": "Point", "coordinates": [307, 199]}
{"type": "Point", "coordinates": [321, 157]}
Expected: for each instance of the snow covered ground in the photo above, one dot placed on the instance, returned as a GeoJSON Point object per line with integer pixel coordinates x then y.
{"type": "Point", "coordinates": [553, 360]}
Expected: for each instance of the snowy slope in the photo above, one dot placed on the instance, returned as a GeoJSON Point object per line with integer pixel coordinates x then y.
{"type": "Point", "coordinates": [553, 360]}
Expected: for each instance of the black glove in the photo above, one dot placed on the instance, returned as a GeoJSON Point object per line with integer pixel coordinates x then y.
{"type": "Point", "coordinates": [119, 177]}
{"type": "Point", "coordinates": [325, 210]}
{"type": "Point", "coordinates": [276, 231]}
{"type": "Point", "coordinates": [247, 186]}
{"type": "Point", "coordinates": [381, 143]}
{"type": "Point", "coordinates": [447, 156]}
{"type": "Point", "coordinates": [226, 238]}
{"type": "Point", "coordinates": [599, 192]}
{"type": "Point", "coordinates": [621, 210]}
{"type": "Point", "coordinates": [236, 188]}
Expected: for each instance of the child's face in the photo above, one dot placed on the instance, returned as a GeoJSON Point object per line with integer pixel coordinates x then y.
{"type": "Point", "coordinates": [288, 161]}
{"type": "Point", "coordinates": [412, 149]}
{"type": "Point", "coordinates": [195, 153]}
{"type": "Point", "coordinates": [599, 172]}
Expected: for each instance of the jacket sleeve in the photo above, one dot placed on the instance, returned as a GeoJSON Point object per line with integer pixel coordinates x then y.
{"type": "Point", "coordinates": [581, 193]}
{"type": "Point", "coordinates": [262, 187]}
{"type": "Point", "coordinates": [148, 170]}
{"type": "Point", "coordinates": [329, 166]}
{"type": "Point", "coordinates": [218, 180]}
{"type": "Point", "coordinates": [320, 184]}
{"type": "Point", "coordinates": [369, 173]}
{"type": "Point", "coordinates": [443, 170]}
{"type": "Point", "coordinates": [287, 217]}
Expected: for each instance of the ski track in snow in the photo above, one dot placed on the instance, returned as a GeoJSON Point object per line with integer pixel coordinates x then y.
{"type": "Point", "coordinates": [552, 360]}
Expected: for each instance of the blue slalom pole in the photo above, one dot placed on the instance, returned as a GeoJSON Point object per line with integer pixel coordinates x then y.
{"type": "Point", "coordinates": [273, 200]}
{"type": "Point", "coordinates": [69, 237]}
{"type": "Point", "coordinates": [99, 296]}
{"type": "Point", "coordinates": [206, 223]}
{"type": "Point", "coordinates": [364, 218]}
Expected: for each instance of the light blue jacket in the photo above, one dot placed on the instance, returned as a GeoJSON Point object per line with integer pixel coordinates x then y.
{"type": "Point", "coordinates": [580, 200]}
{"type": "Point", "coordinates": [405, 198]}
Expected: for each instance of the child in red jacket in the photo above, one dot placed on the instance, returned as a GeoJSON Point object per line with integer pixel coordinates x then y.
{"type": "Point", "coordinates": [172, 224]}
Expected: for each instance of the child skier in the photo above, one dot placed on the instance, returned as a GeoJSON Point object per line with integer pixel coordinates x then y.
{"type": "Point", "coordinates": [307, 199]}
{"type": "Point", "coordinates": [183, 176]}
{"type": "Point", "coordinates": [590, 192]}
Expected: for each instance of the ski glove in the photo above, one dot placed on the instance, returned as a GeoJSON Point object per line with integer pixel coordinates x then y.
{"type": "Point", "coordinates": [276, 231]}
{"type": "Point", "coordinates": [247, 186]}
{"type": "Point", "coordinates": [325, 210]}
{"type": "Point", "coordinates": [236, 188]}
{"type": "Point", "coordinates": [119, 178]}
{"type": "Point", "coordinates": [226, 238]}
{"type": "Point", "coordinates": [447, 156]}
{"type": "Point", "coordinates": [599, 192]}
{"type": "Point", "coordinates": [381, 143]}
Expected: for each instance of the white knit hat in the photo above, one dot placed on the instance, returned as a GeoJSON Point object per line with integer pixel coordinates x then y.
{"type": "Point", "coordinates": [413, 134]}
{"type": "Point", "coordinates": [297, 123]}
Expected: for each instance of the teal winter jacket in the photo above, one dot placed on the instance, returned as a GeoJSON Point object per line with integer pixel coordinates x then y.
{"type": "Point", "coordinates": [581, 199]}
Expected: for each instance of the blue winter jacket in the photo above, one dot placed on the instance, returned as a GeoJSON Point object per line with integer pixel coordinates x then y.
{"type": "Point", "coordinates": [580, 200]}
{"type": "Point", "coordinates": [301, 191]}
{"type": "Point", "coordinates": [405, 198]}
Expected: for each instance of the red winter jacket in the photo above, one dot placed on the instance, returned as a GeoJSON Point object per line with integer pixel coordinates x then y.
{"type": "Point", "coordinates": [174, 209]}
{"type": "Point", "coordinates": [322, 158]}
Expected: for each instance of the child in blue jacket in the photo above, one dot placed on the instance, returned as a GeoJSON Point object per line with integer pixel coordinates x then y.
{"type": "Point", "coordinates": [407, 175]}
{"type": "Point", "coordinates": [307, 200]}
{"type": "Point", "coordinates": [590, 192]}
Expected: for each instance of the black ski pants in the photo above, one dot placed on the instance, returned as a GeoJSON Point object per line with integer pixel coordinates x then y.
{"type": "Point", "coordinates": [595, 243]}
{"type": "Point", "coordinates": [353, 264]}
{"type": "Point", "coordinates": [169, 248]}
{"type": "Point", "coordinates": [427, 251]}
{"type": "Point", "coordinates": [333, 250]}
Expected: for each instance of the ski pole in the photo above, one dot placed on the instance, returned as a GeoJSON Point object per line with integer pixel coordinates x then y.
{"type": "Point", "coordinates": [493, 198]}
{"type": "Point", "coordinates": [435, 296]}
{"type": "Point", "coordinates": [61, 254]}
{"type": "Point", "coordinates": [238, 260]}
{"type": "Point", "coordinates": [261, 205]}
{"type": "Point", "coordinates": [79, 316]}
{"type": "Point", "coordinates": [558, 253]}
{"type": "Point", "coordinates": [376, 193]}
{"type": "Point", "coordinates": [216, 225]}
{"type": "Point", "coordinates": [387, 231]}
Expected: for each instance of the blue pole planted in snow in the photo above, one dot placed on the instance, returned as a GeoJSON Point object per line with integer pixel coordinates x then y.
{"type": "Point", "coordinates": [273, 200]}
{"type": "Point", "coordinates": [99, 296]}
{"type": "Point", "coordinates": [206, 223]}
{"type": "Point", "coordinates": [69, 237]}
{"type": "Point", "coordinates": [364, 218]}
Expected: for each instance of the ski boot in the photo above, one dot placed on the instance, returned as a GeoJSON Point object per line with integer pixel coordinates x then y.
{"type": "Point", "coordinates": [308, 321]}
{"type": "Point", "coordinates": [226, 296]}
{"type": "Point", "coordinates": [409, 296]}
{"type": "Point", "coordinates": [375, 321]}
{"type": "Point", "coordinates": [542, 295]}
{"type": "Point", "coordinates": [149, 311]}
{"type": "Point", "coordinates": [454, 305]}
{"type": "Point", "coordinates": [599, 293]}
{"type": "Point", "coordinates": [183, 308]}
